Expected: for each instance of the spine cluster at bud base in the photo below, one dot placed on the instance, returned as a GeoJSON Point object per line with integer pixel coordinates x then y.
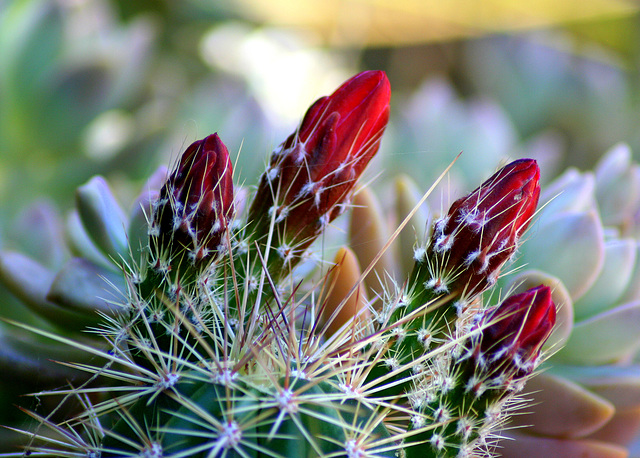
{"type": "Point", "coordinates": [311, 175]}
{"type": "Point", "coordinates": [463, 257]}
{"type": "Point", "coordinates": [481, 231]}
{"type": "Point", "coordinates": [472, 401]}
{"type": "Point", "coordinates": [195, 206]}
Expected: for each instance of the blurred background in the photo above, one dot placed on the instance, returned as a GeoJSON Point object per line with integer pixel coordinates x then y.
{"type": "Point", "coordinates": [118, 87]}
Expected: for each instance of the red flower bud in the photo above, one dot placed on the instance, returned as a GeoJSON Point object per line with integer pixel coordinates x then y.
{"type": "Point", "coordinates": [196, 202]}
{"type": "Point", "coordinates": [481, 231]}
{"type": "Point", "coordinates": [516, 331]}
{"type": "Point", "coordinates": [312, 173]}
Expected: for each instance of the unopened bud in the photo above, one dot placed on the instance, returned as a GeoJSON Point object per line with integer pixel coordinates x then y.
{"type": "Point", "coordinates": [311, 175]}
{"type": "Point", "coordinates": [196, 203]}
{"type": "Point", "coordinates": [481, 231]}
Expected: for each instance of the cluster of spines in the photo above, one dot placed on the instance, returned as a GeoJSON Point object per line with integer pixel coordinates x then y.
{"type": "Point", "coordinates": [202, 358]}
{"type": "Point", "coordinates": [425, 328]}
{"type": "Point", "coordinates": [210, 358]}
{"type": "Point", "coordinates": [199, 394]}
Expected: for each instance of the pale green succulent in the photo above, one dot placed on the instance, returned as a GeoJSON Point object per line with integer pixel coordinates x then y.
{"type": "Point", "coordinates": [586, 245]}
{"type": "Point", "coordinates": [67, 274]}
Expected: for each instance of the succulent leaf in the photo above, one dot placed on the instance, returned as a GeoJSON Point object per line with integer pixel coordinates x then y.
{"type": "Point", "coordinates": [544, 447]}
{"type": "Point", "coordinates": [81, 244]}
{"type": "Point", "coordinates": [569, 246]}
{"type": "Point", "coordinates": [607, 337]}
{"type": "Point", "coordinates": [566, 409]}
{"type": "Point", "coordinates": [571, 192]}
{"type": "Point", "coordinates": [632, 292]}
{"type": "Point", "coordinates": [103, 218]}
{"type": "Point", "coordinates": [367, 238]}
{"type": "Point", "coordinates": [617, 185]}
{"type": "Point", "coordinates": [341, 305]}
{"type": "Point", "coordinates": [622, 429]}
{"type": "Point", "coordinates": [618, 266]}
{"type": "Point", "coordinates": [618, 384]}
{"type": "Point", "coordinates": [30, 281]}
{"type": "Point", "coordinates": [39, 232]}
{"type": "Point", "coordinates": [86, 288]}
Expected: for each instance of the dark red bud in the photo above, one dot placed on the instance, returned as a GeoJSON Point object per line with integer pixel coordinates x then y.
{"type": "Point", "coordinates": [312, 173]}
{"type": "Point", "coordinates": [481, 231]}
{"type": "Point", "coordinates": [196, 202]}
{"type": "Point", "coordinates": [516, 331]}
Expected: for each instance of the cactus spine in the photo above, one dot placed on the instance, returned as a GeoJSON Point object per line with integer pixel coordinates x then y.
{"type": "Point", "coordinates": [222, 348]}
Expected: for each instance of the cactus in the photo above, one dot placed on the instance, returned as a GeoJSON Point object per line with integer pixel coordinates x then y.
{"type": "Point", "coordinates": [227, 342]}
{"type": "Point", "coordinates": [584, 247]}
